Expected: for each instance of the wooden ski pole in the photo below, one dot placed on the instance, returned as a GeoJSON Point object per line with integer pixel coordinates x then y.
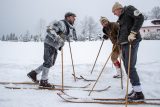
{"type": "Point", "coordinates": [101, 72]}
{"type": "Point", "coordinates": [97, 56]}
{"type": "Point", "coordinates": [129, 63]}
{"type": "Point", "coordinates": [72, 61]}
{"type": "Point", "coordinates": [120, 58]}
{"type": "Point", "coordinates": [62, 70]}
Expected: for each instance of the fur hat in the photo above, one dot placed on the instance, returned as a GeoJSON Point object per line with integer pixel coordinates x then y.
{"type": "Point", "coordinates": [117, 5]}
{"type": "Point", "coordinates": [102, 19]}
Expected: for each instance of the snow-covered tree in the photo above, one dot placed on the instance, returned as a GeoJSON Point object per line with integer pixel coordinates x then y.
{"type": "Point", "coordinates": [145, 16]}
{"type": "Point", "coordinates": [92, 28]}
{"type": "Point", "coordinates": [3, 38]}
{"type": "Point", "coordinates": [89, 29]}
{"type": "Point", "coordinates": [152, 36]}
{"type": "Point", "coordinates": [41, 29]}
{"type": "Point", "coordinates": [27, 36]}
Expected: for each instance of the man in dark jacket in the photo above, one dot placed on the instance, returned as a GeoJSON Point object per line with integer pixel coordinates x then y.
{"type": "Point", "coordinates": [130, 21]}
{"type": "Point", "coordinates": [110, 30]}
{"type": "Point", "coordinates": [57, 33]}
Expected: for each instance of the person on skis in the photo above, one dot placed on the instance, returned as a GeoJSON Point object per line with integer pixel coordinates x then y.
{"type": "Point", "coordinates": [57, 33]}
{"type": "Point", "coordinates": [130, 20]}
{"type": "Point", "coordinates": [110, 30]}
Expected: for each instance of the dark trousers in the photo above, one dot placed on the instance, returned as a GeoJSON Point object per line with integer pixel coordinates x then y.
{"type": "Point", "coordinates": [50, 55]}
{"type": "Point", "coordinates": [134, 78]}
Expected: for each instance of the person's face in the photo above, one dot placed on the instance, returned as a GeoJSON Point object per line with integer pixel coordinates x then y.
{"type": "Point", "coordinates": [104, 23]}
{"type": "Point", "coordinates": [71, 19]}
{"type": "Point", "coordinates": [117, 12]}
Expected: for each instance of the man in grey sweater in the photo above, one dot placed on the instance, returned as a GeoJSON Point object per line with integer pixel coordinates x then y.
{"type": "Point", "coordinates": [57, 33]}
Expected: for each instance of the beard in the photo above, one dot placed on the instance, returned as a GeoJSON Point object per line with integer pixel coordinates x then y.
{"type": "Point", "coordinates": [70, 22]}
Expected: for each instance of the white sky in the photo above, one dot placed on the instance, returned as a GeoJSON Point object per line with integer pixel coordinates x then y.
{"type": "Point", "coordinates": [18, 16]}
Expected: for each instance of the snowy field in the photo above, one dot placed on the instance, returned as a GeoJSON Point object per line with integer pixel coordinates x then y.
{"type": "Point", "coordinates": [19, 58]}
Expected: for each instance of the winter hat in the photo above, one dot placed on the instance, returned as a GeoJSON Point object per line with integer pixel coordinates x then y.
{"type": "Point", "coordinates": [102, 19]}
{"type": "Point", "coordinates": [117, 5]}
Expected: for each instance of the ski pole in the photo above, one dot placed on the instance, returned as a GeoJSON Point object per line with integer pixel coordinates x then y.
{"type": "Point", "coordinates": [72, 61]}
{"type": "Point", "coordinates": [120, 58]}
{"type": "Point", "coordinates": [62, 70]}
{"type": "Point", "coordinates": [129, 63]}
{"type": "Point", "coordinates": [97, 56]}
{"type": "Point", "coordinates": [101, 72]}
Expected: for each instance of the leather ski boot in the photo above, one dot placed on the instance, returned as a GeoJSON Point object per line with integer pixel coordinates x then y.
{"type": "Point", "coordinates": [45, 84]}
{"type": "Point", "coordinates": [33, 76]}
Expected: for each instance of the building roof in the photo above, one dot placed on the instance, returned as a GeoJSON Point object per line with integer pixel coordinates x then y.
{"type": "Point", "coordinates": [151, 23]}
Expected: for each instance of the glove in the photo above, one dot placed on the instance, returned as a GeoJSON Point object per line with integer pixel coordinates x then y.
{"type": "Point", "coordinates": [60, 49]}
{"type": "Point", "coordinates": [61, 44]}
{"type": "Point", "coordinates": [131, 37]}
{"type": "Point", "coordinates": [105, 37]}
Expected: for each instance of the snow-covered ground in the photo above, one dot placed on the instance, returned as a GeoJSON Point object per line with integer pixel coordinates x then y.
{"type": "Point", "coordinates": [19, 58]}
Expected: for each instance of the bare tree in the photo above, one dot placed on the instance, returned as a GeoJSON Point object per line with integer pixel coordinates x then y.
{"type": "Point", "coordinates": [155, 13]}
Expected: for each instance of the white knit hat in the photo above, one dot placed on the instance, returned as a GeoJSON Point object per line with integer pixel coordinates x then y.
{"type": "Point", "coordinates": [117, 5]}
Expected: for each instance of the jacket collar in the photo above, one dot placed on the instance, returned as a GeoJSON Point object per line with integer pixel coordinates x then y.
{"type": "Point", "coordinates": [123, 11]}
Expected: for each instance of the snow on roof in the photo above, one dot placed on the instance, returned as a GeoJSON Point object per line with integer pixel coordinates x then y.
{"type": "Point", "coordinates": [149, 23]}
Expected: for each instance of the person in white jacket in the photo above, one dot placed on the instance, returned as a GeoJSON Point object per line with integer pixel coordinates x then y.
{"type": "Point", "coordinates": [57, 33]}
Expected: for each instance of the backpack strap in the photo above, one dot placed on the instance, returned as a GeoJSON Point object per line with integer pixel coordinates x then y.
{"type": "Point", "coordinates": [67, 26]}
